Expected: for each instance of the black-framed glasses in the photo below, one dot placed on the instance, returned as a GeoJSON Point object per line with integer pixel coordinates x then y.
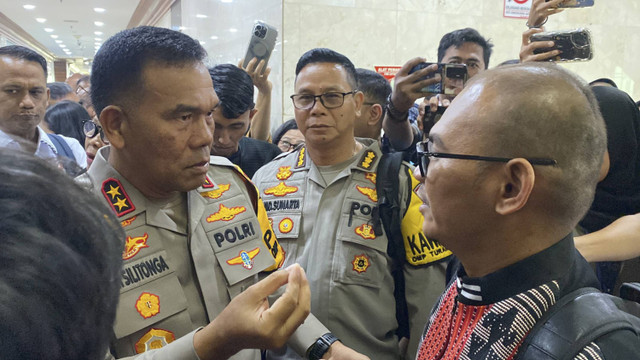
{"type": "Point", "coordinates": [424, 154]}
{"type": "Point", "coordinates": [329, 100]}
{"type": "Point", "coordinates": [285, 145]}
{"type": "Point", "coordinates": [91, 129]}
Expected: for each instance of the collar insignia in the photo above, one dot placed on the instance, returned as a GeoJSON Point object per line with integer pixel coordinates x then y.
{"type": "Point", "coordinates": [133, 245]}
{"type": "Point", "coordinates": [281, 189]}
{"type": "Point", "coordinates": [148, 305]}
{"type": "Point", "coordinates": [245, 258]}
{"type": "Point", "coordinates": [128, 221]}
{"type": "Point", "coordinates": [360, 263]}
{"type": "Point", "coordinates": [365, 231]}
{"type": "Point", "coordinates": [207, 183]}
{"type": "Point", "coordinates": [154, 339]}
{"type": "Point", "coordinates": [302, 158]}
{"type": "Point", "coordinates": [216, 193]}
{"type": "Point", "coordinates": [226, 214]}
{"type": "Point", "coordinates": [367, 160]}
{"type": "Point", "coordinates": [116, 197]}
{"type": "Point", "coordinates": [284, 173]}
{"type": "Point", "coordinates": [371, 177]}
{"type": "Point", "coordinates": [368, 192]}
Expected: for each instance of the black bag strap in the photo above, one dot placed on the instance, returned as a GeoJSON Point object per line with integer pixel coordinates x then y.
{"type": "Point", "coordinates": [388, 215]}
{"type": "Point", "coordinates": [61, 146]}
{"type": "Point", "coordinates": [575, 321]}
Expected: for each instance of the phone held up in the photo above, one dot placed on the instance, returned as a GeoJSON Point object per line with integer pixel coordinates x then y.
{"type": "Point", "coordinates": [452, 78]}
{"type": "Point", "coordinates": [574, 45]}
{"type": "Point", "coordinates": [575, 3]}
{"type": "Point", "coordinates": [261, 44]}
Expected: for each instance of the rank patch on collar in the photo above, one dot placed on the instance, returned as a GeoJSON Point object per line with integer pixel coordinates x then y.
{"type": "Point", "coordinates": [285, 226]}
{"type": "Point", "coordinates": [245, 258]}
{"type": "Point", "coordinates": [281, 189]}
{"type": "Point", "coordinates": [367, 160]}
{"type": "Point", "coordinates": [128, 221]}
{"type": "Point", "coordinates": [133, 245]}
{"type": "Point", "coordinates": [208, 184]}
{"type": "Point", "coordinates": [302, 157]}
{"type": "Point", "coordinates": [148, 305]}
{"type": "Point", "coordinates": [284, 173]}
{"type": "Point", "coordinates": [154, 339]}
{"type": "Point", "coordinates": [365, 231]}
{"type": "Point", "coordinates": [225, 214]}
{"type": "Point", "coordinates": [216, 193]}
{"type": "Point", "coordinates": [368, 192]}
{"type": "Point", "coordinates": [360, 263]}
{"type": "Point", "coordinates": [371, 177]}
{"type": "Point", "coordinates": [116, 197]}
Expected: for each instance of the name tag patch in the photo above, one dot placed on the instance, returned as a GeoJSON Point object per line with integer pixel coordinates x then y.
{"type": "Point", "coordinates": [283, 204]}
{"type": "Point", "coordinates": [144, 270]}
{"type": "Point", "coordinates": [236, 233]}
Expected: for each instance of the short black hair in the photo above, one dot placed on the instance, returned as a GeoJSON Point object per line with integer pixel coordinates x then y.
{"type": "Point", "coordinates": [606, 81]}
{"type": "Point", "coordinates": [116, 73]}
{"type": "Point", "coordinates": [60, 263]}
{"type": "Point", "coordinates": [66, 117]}
{"type": "Point", "coordinates": [58, 90]}
{"type": "Point", "coordinates": [24, 53]}
{"type": "Point", "coordinates": [458, 37]}
{"type": "Point", "coordinates": [234, 88]}
{"type": "Point", "coordinates": [282, 129]}
{"type": "Point", "coordinates": [324, 55]}
{"type": "Point", "coordinates": [375, 87]}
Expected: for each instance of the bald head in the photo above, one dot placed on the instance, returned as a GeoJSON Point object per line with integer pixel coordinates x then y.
{"type": "Point", "coordinates": [542, 111]}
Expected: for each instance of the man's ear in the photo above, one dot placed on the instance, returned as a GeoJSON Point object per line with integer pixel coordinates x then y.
{"type": "Point", "coordinates": [252, 113]}
{"type": "Point", "coordinates": [375, 112]}
{"type": "Point", "coordinates": [358, 97]}
{"type": "Point", "coordinates": [113, 122]}
{"type": "Point", "coordinates": [516, 186]}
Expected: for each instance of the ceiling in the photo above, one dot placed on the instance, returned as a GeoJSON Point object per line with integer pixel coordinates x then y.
{"type": "Point", "coordinates": [70, 24]}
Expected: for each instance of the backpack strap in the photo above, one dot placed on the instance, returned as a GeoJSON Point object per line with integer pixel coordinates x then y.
{"type": "Point", "coordinates": [61, 146]}
{"type": "Point", "coordinates": [575, 321]}
{"type": "Point", "coordinates": [388, 213]}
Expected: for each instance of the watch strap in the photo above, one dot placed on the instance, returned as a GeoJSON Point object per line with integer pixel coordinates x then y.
{"type": "Point", "coordinates": [395, 114]}
{"type": "Point", "coordinates": [321, 346]}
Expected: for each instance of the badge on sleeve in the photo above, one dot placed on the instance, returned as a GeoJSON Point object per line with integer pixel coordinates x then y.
{"type": "Point", "coordinates": [285, 226]}
{"type": "Point", "coordinates": [281, 189]}
{"type": "Point", "coordinates": [368, 192]}
{"type": "Point", "coordinates": [284, 172]}
{"type": "Point", "coordinates": [360, 263]}
{"type": "Point", "coordinates": [226, 214]}
{"type": "Point", "coordinates": [245, 258]}
{"type": "Point", "coordinates": [133, 245]}
{"type": "Point", "coordinates": [148, 305]}
{"type": "Point", "coordinates": [365, 231]}
{"type": "Point", "coordinates": [154, 339]}
{"type": "Point", "coordinates": [116, 197]}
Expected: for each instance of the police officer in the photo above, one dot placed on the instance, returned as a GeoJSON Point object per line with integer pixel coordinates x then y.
{"type": "Point", "coordinates": [322, 199]}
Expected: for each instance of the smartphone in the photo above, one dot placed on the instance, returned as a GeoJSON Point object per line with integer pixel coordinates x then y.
{"type": "Point", "coordinates": [575, 3]}
{"type": "Point", "coordinates": [452, 78]}
{"type": "Point", "coordinates": [261, 44]}
{"type": "Point", "coordinates": [575, 45]}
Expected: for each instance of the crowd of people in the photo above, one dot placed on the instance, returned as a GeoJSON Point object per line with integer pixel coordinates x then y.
{"type": "Point", "coordinates": [160, 219]}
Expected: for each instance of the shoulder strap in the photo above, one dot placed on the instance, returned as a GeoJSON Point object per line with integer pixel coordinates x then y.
{"type": "Point", "coordinates": [578, 319]}
{"type": "Point", "coordinates": [388, 211]}
{"type": "Point", "coordinates": [61, 146]}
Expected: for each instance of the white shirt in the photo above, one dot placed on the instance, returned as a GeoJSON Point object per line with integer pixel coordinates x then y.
{"type": "Point", "coordinates": [45, 148]}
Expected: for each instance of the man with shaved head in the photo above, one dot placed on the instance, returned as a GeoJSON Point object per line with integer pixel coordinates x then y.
{"type": "Point", "coordinates": [507, 175]}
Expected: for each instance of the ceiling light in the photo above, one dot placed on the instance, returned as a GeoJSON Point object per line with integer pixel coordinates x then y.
{"type": "Point", "coordinates": [98, 32]}
{"type": "Point", "coordinates": [62, 46]}
{"type": "Point", "coordinates": [97, 43]}
{"type": "Point", "coordinates": [202, 43]}
{"type": "Point", "coordinates": [48, 29]}
{"type": "Point", "coordinates": [201, 16]}
{"type": "Point", "coordinates": [226, 1]}
{"type": "Point", "coordinates": [29, 7]}
{"type": "Point", "coordinates": [214, 37]}
{"type": "Point", "coordinates": [233, 30]}
{"type": "Point", "coordinates": [41, 20]}
{"type": "Point", "coordinates": [99, 10]}
{"type": "Point", "coordinates": [97, 39]}
{"type": "Point", "coordinates": [59, 41]}
{"type": "Point", "coordinates": [54, 36]}
{"type": "Point", "coordinates": [98, 23]}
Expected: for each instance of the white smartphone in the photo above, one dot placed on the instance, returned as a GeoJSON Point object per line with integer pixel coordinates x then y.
{"type": "Point", "coordinates": [261, 44]}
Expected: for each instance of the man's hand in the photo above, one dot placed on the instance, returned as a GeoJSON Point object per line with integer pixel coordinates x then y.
{"type": "Point", "coordinates": [249, 323]}
{"type": "Point", "coordinates": [407, 88]}
{"type": "Point", "coordinates": [254, 69]}
{"type": "Point", "coordinates": [541, 9]}
{"type": "Point", "coordinates": [528, 46]}
{"type": "Point", "coordinates": [338, 351]}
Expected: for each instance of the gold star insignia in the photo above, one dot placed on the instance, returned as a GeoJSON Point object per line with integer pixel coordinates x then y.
{"type": "Point", "coordinates": [114, 191]}
{"type": "Point", "coordinates": [121, 203]}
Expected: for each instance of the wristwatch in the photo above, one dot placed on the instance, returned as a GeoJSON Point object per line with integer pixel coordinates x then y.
{"type": "Point", "coordinates": [321, 346]}
{"type": "Point", "coordinates": [395, 114]}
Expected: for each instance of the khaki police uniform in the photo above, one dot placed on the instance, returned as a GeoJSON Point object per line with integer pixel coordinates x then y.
{"type": "Point", "coordinates": [327, 228]}
{"type": "Point", "coordinates": [185, 258]}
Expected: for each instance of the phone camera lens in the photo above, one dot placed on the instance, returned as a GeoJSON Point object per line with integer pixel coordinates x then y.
{"type": "Point", "coordinates": [580, 39]}
{"type": "Point", "coordinates": [256, 33]}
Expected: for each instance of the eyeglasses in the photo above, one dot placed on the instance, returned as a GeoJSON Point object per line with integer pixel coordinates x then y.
{"type": "Point", "coordinates": [81, 90]}
{"type": "Point", "coordinates": [424, 154]}
{"type": "Point", "coordinates": [91, 129]}
{"type": "Point", "coordinates": [284, 145]}
{"type": "Point", "coordinates": [330, 100]}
